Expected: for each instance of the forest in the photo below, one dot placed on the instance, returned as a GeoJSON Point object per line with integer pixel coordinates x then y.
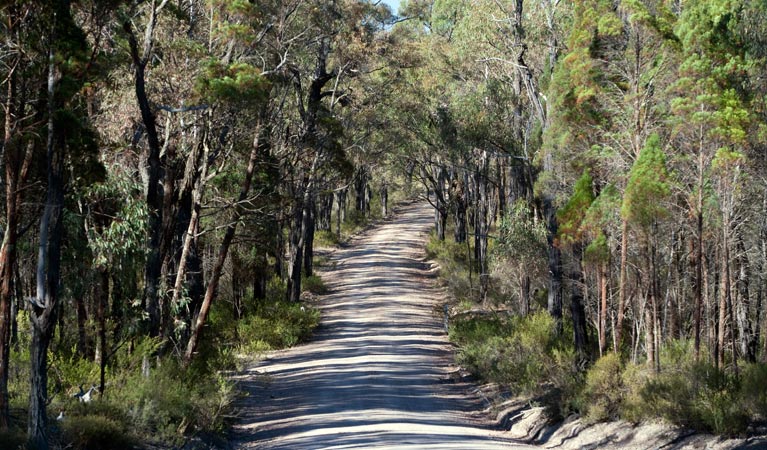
{"type": "Point", "coordinates": [597, 170]}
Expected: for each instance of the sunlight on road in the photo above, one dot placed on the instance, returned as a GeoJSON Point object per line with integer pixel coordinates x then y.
{"type": "Point", "coordinates": [376, 372]}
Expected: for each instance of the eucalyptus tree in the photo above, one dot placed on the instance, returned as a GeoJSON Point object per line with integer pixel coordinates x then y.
{"type": "Point", "coordinates": [66, 58]}
{"type": "Point", "coordinates": [17, 153]}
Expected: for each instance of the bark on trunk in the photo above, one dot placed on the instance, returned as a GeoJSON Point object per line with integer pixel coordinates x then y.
{"type": "Point", "coordinates": [459, 203]}
{"type": "Point", "coordinates": [384, 200]}
{"type": "Point", "coordinates": [577, 310]}
{"type": "Point", "coordinates": [309, 238]}
{"type": "Point", "coordinates": [603, 279]}
{"type": "Point", "coordinates": [101, 312]}
{"type": "Point", "coordinates": [154, 168]}
{"type": "Point", "coordinates": [699, 269]}
{"type": "Point", "coordinates": [748, 343]}
{"type": "Point", "coordinates": [43, 308]}
{"type": "Point", "coordinates": [16, 162]}
{"type": "Point", "coordinates": [296, 251]}
{"type": "Point", "coordinates": [724, 300]}
{"type": "Point", "coordinates": [555, 266]}
{"type": "Point", "coordinates": [215, 276]}
{"type": "Point", "coordinates": [481, 227]}
{"type": "Point", "coordinates": [622, 285]}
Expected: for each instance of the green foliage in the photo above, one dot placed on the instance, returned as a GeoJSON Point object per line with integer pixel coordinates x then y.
{"type": "Point", "coordinates": [571, 216]}
{"type": "Point", "coordinates": [604, 391]}
{"type": "Point", "coordinates": [516, 351]}
{"type": "Point", "coordinates": [315, 285]}
{"type": "Point", "coordinates": [274, 323]}
{"type": "Point", "coordinates": [687, 393]}
{"type": "Point", "coordinates": [647, 186]}
{"type": "Point", "coordinates": [521, 238]}
{"type": "Point", "coordinates": [326, 238]}
{"type": "Point", "coordinates": [13, 439]}
{"type": "Point", "coordinates": [237, 83]}
{"type": "Point", "coordinates": [94, 432]}
{"type": "Point", "coordinates": [753, 390]}
{"type": "Point", "coordinates": [453, 266]}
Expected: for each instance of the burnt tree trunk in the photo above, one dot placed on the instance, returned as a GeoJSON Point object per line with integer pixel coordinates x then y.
{"type": "Point", "coordinates": [577, 310]}
{"type": "Point", "coordinates": [309, 238]}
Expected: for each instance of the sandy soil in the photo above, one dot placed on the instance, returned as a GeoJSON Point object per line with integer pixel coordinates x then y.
{"type": "Point", "coordinates": [377, 373]}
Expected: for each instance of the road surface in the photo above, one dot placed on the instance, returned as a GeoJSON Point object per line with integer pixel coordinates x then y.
{"type": "Point", "coordinates": [376, 373]}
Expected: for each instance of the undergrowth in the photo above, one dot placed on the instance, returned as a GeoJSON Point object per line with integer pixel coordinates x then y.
{"type": "Point", "coordinates": [150, 397]}
{"type": "Point", "coordinates": [528, 355]}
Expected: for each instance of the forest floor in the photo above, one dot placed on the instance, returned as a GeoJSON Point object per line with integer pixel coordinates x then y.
{"type": "Point", "coordinates": [378, 372]}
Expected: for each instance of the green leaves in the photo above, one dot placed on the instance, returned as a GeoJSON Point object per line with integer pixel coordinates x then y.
{"type": "Point", "coordinates": [238, 83]}
{"type": "Point", "coordinates": [571, 216]}
{"type": "Point", "coordinates": [648, 186]}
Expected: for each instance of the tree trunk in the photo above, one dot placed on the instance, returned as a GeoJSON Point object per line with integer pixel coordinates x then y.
{"type": "Point", "coordinates": [577, 310]}
{"type": "Point", "coordinates": [699, 269]}
{"type": "Point", "coordinates": [341, 214]}
{"type": "Point", "coordinates": [83, 349]}
{"type": "Point", "coordinates": [384, 199]}
{"type": "Point", "coordinates": [361, 189]}
{"type": "Point", "coordinates": [43, 309]}
{"type": "Point", "coordinates": [622, 285]}
{"type": "Point", "coordinates": [16, 164]}
{"type": "Point", "coordinates": [154, 168]}
{"type": "Point", "coordinates": [223, 251]}
{"type": "Point", "coordinates": [325, 211]}
{"type": "Point", "coordinates": [748, 343]}
{"type": "Point", "coordinates": [296, 250]}
{"type": "Point", "coordinates": [102, 285]}
{"type": "Point", "coordinates": [198, 178]}
{"type": "Point", "coordinates": [649, 330]}
{"type": "Point", "coordinates": [459, 202]}
{"type": "Point", "coordinates": [603, 279]}
{"type": "Point", "coordinates": [525, 294]}
{"type": "Point", "coordinates": [309, 238]}
{"type": "Point", "coordinates": [555, 266]}
{"type": "Point", "coordinates": [724, 300]}
{"type": "Point", "coordinates": [698, 276]}
{"type": "Point", "coordinates": [481, 228]}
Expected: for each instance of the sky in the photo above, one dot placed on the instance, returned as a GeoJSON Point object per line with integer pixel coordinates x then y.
{"type": "Point", "coordinates": [394, 4]}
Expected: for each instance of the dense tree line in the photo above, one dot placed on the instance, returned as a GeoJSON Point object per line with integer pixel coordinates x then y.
{"type": "Point", "coordinates": [604, 161]}
{"type": "Point", "coordinates": [614, 151]}
{"type": "Point", "coordinates": [161, 155]}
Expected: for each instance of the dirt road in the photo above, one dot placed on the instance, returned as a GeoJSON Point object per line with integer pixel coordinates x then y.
{"type": "Point", "coordinates": [376, 373]}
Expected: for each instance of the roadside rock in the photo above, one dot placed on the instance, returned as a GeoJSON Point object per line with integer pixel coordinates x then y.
{"type": "Point", "coordinates": [532, 425]}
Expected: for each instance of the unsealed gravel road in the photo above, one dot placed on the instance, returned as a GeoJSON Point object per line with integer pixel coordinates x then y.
{"type": "Point", "coordinates": [376, 373]}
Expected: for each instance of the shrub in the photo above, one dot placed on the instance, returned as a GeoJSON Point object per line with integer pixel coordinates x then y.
{"type": "Point", "coordinates": [315, 285]}
{"type": "Point", "coordinates": [604, 392]}
{"type": "Point", "coordinates": [326, 238]}
{"type": "Point", "coordinates": [277, 325]}
{"type": "Point", "coordinates": [687, 393]}
{"type": "Point", "coordinates": [93, 432]}
{"type": "Point", "coordinates": [13, 440]}
{"type": "Point", "coordinates": [517, 351]}
{"type": "Point", "coordinates": [753, 390]}
{"type": "Point", "coordinates": [173, 401]}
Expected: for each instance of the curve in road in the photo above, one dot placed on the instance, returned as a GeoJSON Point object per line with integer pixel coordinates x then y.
{"type": "Point", "coordinates": [375, 374]}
